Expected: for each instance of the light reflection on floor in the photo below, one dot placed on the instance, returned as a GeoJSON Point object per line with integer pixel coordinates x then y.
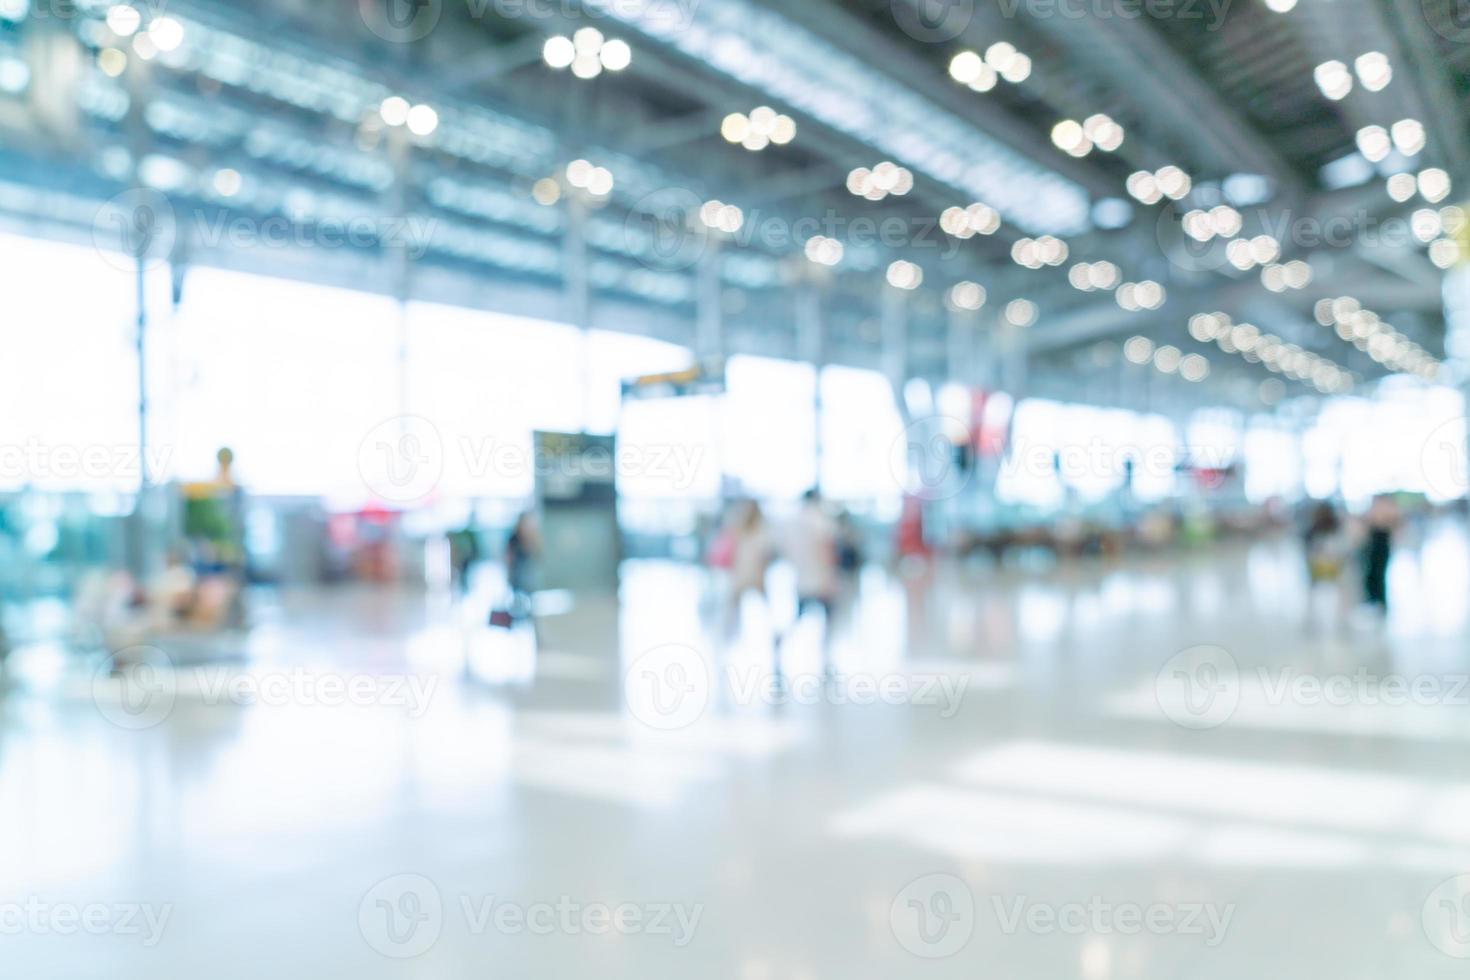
{"type": "Point", "coordinates": [797, 825]}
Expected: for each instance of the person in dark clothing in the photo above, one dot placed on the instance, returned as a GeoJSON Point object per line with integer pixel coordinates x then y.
{"type": "Point", "coordinates": [1381, 523]}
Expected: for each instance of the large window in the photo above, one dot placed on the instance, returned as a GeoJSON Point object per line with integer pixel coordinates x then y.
{"type": "Point", "coordinates": [69, 377]}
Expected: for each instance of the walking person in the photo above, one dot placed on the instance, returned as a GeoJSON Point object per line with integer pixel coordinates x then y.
{"type": "Point", "coordinates": [1381, 523]}
{"type": "Point", "coordinates": [814, 554]}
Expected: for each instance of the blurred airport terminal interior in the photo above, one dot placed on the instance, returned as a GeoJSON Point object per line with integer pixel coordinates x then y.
{"type": "Point", "coordinates": [734, 489]}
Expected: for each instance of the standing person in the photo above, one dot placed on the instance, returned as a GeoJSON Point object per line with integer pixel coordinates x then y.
{"type": "Point", "coordinates": [522, 550]}
{"type": "Point", "coordinates": [748, 555]}
{"type": "Point", "coordinates": [813, 552]}
{"type": "Point", "coordinates": [1381, 522]}
{"type": "Point", "coordinates": [1325, 549]}
{"type": "Point", "coordinates": [464, 551]}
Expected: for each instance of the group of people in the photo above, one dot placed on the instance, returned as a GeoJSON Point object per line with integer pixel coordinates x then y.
{"type": "Point", "coordinates": [1330, 544]}
{"type": "Point", "coordinates": [823, 550]}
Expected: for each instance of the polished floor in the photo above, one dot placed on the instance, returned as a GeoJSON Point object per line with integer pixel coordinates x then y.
{"type": "Point", "coordinates": [1176, 766]}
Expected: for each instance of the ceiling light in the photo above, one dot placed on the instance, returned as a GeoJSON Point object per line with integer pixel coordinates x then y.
{"type": "Point", "coordinates": [394, 110]}
{"type": "Point", "coordinates": [1444, 252]}
{"type": "Point", "coordinates": [1144, 188]}
{"type": "Point", "coordinates": [885, 179]}
{"type": "Point", "coordinates": [227, 182]}
{"type": "Point", "coordinates": [965, 67]}
{"type": "Point", "coordinates": [905, 275]}
{"type": "Point", "coordinates": [1194, 367]}
{"type": "Point", "coordinates": [616, 55]}
{"type": "Point", "coordinates": [1334, 79]}
{"type": "Point", "coordinates": [1102, 131]}
{"type": "Point", "coordinates": [559, 52]}
{"type": "Point", "coordinates": [1434, 185]}
{"type": "Point", "coordinates": [166, 33]}
{"type": "Point", "coordinates": [824, 251]}
{"type": "Point", "coordinates": [1018, 70]}
{"type": "Point", "coordinates": [1401, 187]}
{"type": "Point", "coordinates": [1068, 136]}
{"type": "Point", "coordinates": [1139, 350]}
{"type": "Point", "coordinates": [1408, 136]}
{"type": "Point", "coordinates": [422, 120]}
{"type": "Point", "coordinates": [1167, 358]}
{"type": "Point", "coordinates": [579, 172]}
{"type": "Point", "coordinates": [1374, 143]}
{"type": "Point", "coordinates": [1426, 224]}
{"type": "Point", "coordinates": [1173, 182]}
{"type": "Point", "coordinates": [1001, 55]}
{"type": "Point", "coordinates": [112, 61]}
{"type": "Point", "coordinates": [967, 296]}
{"type": "Point", "coordinates": [124, 20]}
{"type": "Point", "coordinates": [1021, 312]}
{"type": "Point", "coordinates": [546, 191]}
{"type": "Point", "coordinates": [1373, 70]}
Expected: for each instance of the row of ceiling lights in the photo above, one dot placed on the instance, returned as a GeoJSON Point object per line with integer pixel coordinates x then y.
{"type": "Point", "coordinates": [760, 129]}
{"type": "Point", "coordinates": [1079, 139]}
{"type": "Point", "coordinates": [1335, 81]}
{"type": "Point", "coordinates": [965, 223]}
{"type": "Point", "coordinates": [1368, 332]}
{"type": "Point", "coordinates": [1033, 253]}
{"type": "Point", "coordinates": [587, 53]}
{"type": "Point", "coordinates": [884, 179]}
{"type": "Point", "coordinates": [1278, 356]}
{"type": "Point", "coordinates": [980, 74]}
{"type": "Point", "coordinates": [1151, 188]}
{"type": "Point", "coordinates": [1167, 359]}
